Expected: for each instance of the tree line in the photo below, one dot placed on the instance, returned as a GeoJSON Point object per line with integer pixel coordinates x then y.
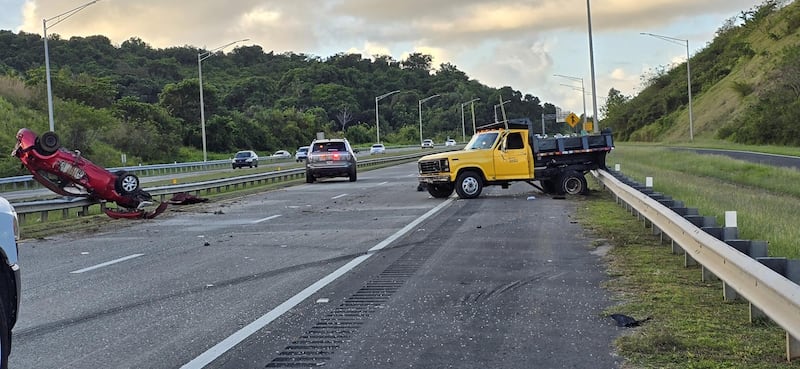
{"type": "Point", "coordinates": [144, 102]}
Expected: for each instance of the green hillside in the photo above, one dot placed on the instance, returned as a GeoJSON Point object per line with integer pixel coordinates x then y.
{"type": "Point", "coordinates": [143, 102]}
{"type": "Point", "coordinates": [745, 86]}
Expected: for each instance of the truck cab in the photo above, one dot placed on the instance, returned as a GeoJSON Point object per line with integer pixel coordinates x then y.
{"type": "Point", "coordinates": [501, 153]}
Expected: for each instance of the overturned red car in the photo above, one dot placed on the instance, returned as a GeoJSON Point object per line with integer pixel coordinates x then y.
{"type": "Point", "coordinates": [67, 173]}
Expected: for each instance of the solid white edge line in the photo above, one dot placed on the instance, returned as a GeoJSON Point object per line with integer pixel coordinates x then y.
{"type": "Point", "coordinates": [338, 196]}
{"type": "Point", "coordinates": [217, 350]}
{"type": "Point", "coordinates": [266, 219]}
{"type": "Point", "coordinates": [98, 266]}
{"type": "Point", "coordinates": [413, 224]}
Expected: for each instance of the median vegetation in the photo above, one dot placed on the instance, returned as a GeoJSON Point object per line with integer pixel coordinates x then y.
{"type": "Point", "coordinates": [766, 198]}
{"type": "Point", "coordinates": [691, 326]}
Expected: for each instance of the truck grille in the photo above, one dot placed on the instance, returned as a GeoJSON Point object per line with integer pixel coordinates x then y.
{"type": "Point", "coordinates": [433, 166]}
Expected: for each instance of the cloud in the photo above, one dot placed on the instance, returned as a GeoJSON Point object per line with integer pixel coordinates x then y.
{"type": "Point", "coordinates": [499, 42]}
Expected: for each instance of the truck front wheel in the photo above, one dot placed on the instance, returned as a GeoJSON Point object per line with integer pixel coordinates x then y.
{"type": "Point", "coordinates": [440, 191]}
{"type": "Point", "coordinates": [469, 185]}
{"type": "Point", "coordinates": [573, 183]}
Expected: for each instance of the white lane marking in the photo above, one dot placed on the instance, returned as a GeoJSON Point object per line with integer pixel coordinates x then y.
{"type": "Point", "coordinates": [266, 219]}
{"type": "Point", "coordinates": [242, 334]}
{"type": "Point", "coordinates": [98, 266]}
{"type": "Point", "coordinates": [381, 184]}
{"type": "Point", "coordinates": [338, 196]}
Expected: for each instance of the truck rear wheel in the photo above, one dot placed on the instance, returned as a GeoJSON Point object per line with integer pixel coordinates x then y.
{"type": "Point", "coordinates": [469, 185]}
{"type": "Point", "coordinates": [573, 183]}
{"type": "Point", "coordinates": [440, 191]}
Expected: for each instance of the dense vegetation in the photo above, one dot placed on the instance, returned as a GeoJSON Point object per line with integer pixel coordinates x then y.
{"type": "Point", "coordinates": [144, 102]}
{"type": "Point", "coordinates": [745, 86]}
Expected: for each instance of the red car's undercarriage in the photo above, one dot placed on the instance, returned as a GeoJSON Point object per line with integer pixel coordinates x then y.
{"type": "Point", "coordinates": [67, 173]}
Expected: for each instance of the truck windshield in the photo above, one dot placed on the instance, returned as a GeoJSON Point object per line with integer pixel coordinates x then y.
{"type": "Point", "coordinates": [482, 141]}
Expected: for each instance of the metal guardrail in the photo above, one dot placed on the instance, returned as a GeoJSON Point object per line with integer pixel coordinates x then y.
{"type": "Point", "coordinates": [43, 207]}
{"type": "Point", "coordinates": [27, 182]}
{"type": "Point", "coordinates": [767, 291]}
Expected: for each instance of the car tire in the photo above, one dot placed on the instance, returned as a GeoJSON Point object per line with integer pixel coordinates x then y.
{"type": "Point", "coordinates": [573, 183]}
{"type": "Point", "coordinates": [469, 185]}
{"type": "Point", "coordinates": [353, 176]}
{"type": "Point", "coordinates": [5, 330]}
{"type": "Point", "coordinates": [47, 143]}
{"type": "Point", "coordinates": [440, 191]}
{"type": "Point", "coordinates": [256, 163]}
{"type": "Point", "coordinates": [126, 183]}
{"type": "Point", "coordinates": [309, 177]}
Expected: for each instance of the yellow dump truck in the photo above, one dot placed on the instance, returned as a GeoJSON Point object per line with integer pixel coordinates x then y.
{"type": "Point", "coordinates": [501, 153]}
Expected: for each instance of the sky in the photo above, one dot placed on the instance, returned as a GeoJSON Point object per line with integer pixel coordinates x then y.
{"type": "Point", "coordinates": [519, 43]}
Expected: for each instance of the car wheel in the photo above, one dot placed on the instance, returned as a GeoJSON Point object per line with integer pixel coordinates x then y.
{"type": "Point", "coordinates": [256, 163]}
{"type": "Point", "coordinates": [309, 177]}
{"type": "Point", "coordinates": [469, 185]}
{"type": "Point", "coordinates": [440, 191]}
{"type": "Point", "coordinates": [573, 183]}
{"type": "Point", "coordinates": [5, 330]}
{"type": "Point", "coordinates": [353, 176]}
{"type": "Point", "coordinates": [47, 143]}
{"type": "Point", "coordinates": [127, 183]}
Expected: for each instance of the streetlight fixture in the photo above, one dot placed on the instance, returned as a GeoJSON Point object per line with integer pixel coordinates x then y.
{"type": "Point", "coordinates": [58, 19]}
{"type": "Point", "coordinates": [463, 129]}
{"type": "Point", "coordinates": [495, 109]}
{"type": "Point", "coordinates": [583, 92]}
{"type": "Point", "coordinates": [377, 123]}
{"type": "Point", "coordinates": [200, 58]}
{"type": "Point", "coordinates": [680, 41]}
{"type": "Point", "coordinates": [420, 115]}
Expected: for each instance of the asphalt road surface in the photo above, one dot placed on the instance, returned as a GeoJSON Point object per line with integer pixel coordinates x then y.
{"type": "Point", "coordinates": [754, 157]}
{"type": "Point", "coordinates": [370, 274]}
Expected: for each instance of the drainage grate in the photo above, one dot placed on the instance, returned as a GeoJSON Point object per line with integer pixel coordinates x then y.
{"type": "Point", "coordinates": [316, 346]}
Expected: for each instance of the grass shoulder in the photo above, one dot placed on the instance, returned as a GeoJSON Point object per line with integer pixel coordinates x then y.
{"type": "Point", "coordinates": [691, 326]}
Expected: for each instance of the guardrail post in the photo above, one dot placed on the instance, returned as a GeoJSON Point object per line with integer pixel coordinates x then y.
{"type": "Point", "coordinates": [792, 347]}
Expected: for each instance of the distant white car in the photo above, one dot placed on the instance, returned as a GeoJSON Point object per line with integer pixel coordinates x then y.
{"type": "Point", "coordinates": [377, 149]}
{"type": "Point", "coordinates": [301, 154]}
{"type": "Point", "coordinates": [450, 142]}
{"type": "Point", "coordinates": [281, 154]}
{"type": "Point", "coordinates": [427, 144]}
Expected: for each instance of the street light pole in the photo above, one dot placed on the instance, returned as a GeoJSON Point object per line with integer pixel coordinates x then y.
{"type": "Point", "coordinates": [583, 92]}
{"type": "Point", "coordinates": [58, 19]}
{"type": "Point", "coordinates": [591, 62]}
{"type": "Point", "coordinates": [200, 58]}
{"type": "Point", "coordinates": [420, 115]}
{"type": "Point", "coordinates": [463, 129]}
{"type": "Point", "coordinates": [680, 41]}
{"type": "Point", "coordinates": [377, 123]}
{"type": "Point", "coordinates": [495, 109]}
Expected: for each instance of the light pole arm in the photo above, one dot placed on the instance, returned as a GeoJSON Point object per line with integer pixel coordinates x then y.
{"type": "Point", "coordinates": [63, 16]}
{"type": "Point", "coordinates": [207, 54]}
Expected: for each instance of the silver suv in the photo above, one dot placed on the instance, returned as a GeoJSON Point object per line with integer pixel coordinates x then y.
{"type": "Point", "coordinates": [331, 158]}
{"type": "Point", "coordinates": [9, 277]}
